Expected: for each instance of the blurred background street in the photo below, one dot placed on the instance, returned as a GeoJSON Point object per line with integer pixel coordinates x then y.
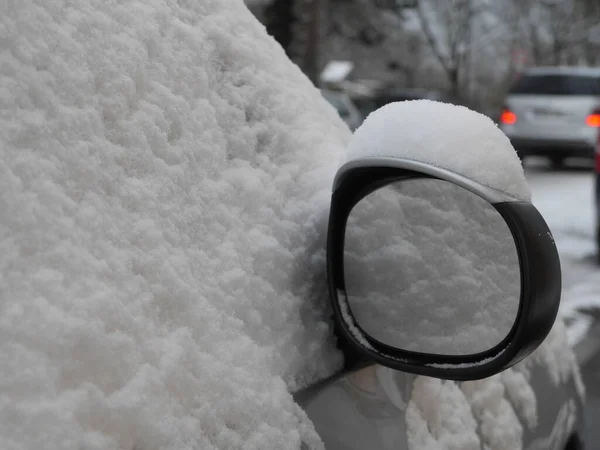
{"type": "Point", "coordinates": [464, 51]}
{"type": "Point", "coordinates": [565, 198]}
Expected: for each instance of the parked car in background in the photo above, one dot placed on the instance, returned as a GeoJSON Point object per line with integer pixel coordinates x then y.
{"type": "Point", "coordinates": [554, 112]}
{"type": "Point", "coordinates": [345, 107]}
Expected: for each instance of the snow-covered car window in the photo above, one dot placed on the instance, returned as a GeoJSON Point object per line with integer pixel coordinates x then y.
{"type": "Point", "coordinates": [165, 178]}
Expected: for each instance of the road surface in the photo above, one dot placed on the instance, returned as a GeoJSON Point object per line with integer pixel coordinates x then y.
{"type": "Point", "coordinates": [565, 199]}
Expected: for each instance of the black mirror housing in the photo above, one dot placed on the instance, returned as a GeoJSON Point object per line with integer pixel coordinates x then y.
{"type": "Point", "coordinates": [538, 259]}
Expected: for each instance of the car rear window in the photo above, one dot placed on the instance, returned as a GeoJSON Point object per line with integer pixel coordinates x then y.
{"type": "Point", "coordinates": [557, 85]}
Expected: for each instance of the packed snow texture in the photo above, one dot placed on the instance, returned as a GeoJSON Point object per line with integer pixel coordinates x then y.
{"type": "Point", "coordinates": [165, 178]}
{"type": "Point", "coordinates": [438, 417]}
{"type": "Point", "coordinates": [165, 175]}
{"type": "Point", "coordinates": [449, 136]}
{"type": "Point", "coordinates": [431, 267]}
{"type": "Point", "coordinates": [521, 395]}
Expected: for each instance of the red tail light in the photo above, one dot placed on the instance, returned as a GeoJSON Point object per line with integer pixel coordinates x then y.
{"type": "Point", "coordinates": [593, 120]}
{"type": "Point", "coordinates": [508, 117]}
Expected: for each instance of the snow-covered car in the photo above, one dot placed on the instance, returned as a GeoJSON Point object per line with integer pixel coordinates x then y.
{"type": "Point", "coordinates": [172, 253]}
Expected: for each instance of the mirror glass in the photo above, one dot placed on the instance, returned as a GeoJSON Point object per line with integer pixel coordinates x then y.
{"type": "Point", "coordinates": [431, 267]}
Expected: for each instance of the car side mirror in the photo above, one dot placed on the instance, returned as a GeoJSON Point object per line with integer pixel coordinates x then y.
{"type": "Point", "coordinates": [433, 273]}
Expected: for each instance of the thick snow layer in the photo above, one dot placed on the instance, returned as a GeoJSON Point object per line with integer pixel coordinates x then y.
{"type": "Point", "coordinates": [438, 417]}
{"type": "Point", "coordinates": [165, 175]}
{"type": "Point", "coordinates": [499, 425]}
{"type": "Point", "coordinates": [431, 267]}
{"type": "Point", "coordinates": [521, 395]}
{"type": "Point", "coordinates": [449, 136]}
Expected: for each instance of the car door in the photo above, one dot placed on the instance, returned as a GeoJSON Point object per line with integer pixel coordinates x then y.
{"type": "Point", "coordinates": [527, 407]}
{"type": "Point", "coordinates": [355, 410]}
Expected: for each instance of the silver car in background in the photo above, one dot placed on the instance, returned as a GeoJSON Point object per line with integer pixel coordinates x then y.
{"type": "Point", "coordinates": [554, 112]}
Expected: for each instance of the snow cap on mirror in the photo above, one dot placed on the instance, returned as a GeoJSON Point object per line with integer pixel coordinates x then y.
{"type": "Point", "coordinates": [448, 136]}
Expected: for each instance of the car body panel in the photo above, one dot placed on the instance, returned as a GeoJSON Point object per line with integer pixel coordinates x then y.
{"type": "Point", "coordinates": [367, 408]}
{"type": "Point", "coordinates": [204, 158]}
{"type": "Point", "coordinates": [353, 411]}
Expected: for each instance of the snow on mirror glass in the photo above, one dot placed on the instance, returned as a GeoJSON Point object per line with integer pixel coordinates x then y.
{"type": "Point", "coordinates": [431, 267]}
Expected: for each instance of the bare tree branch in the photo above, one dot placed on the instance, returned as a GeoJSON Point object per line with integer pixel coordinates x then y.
{"type": "Point", "coordinates": [431, 39]}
